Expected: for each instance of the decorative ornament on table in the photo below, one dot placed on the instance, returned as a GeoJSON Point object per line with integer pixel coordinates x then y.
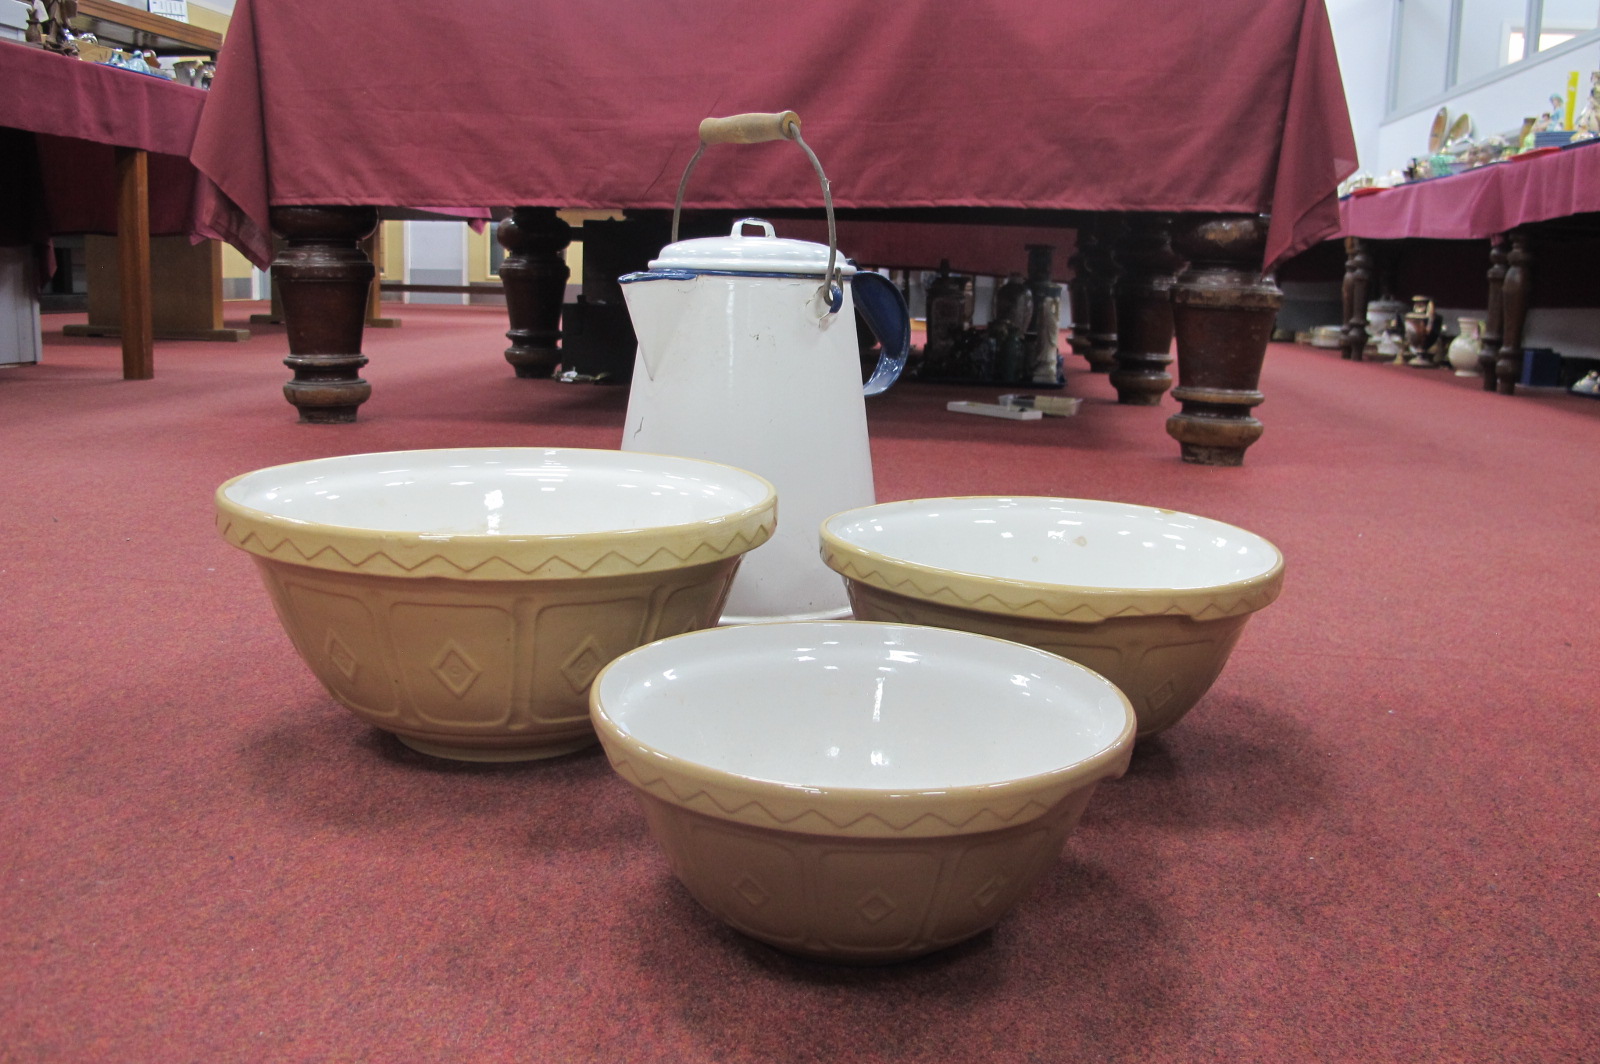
{"type": "Point", "coordinates": [48, 25]}
{"type": "Point", "coordinates": [1587, 124]}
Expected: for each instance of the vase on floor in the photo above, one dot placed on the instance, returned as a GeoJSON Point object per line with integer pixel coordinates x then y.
{"type": "Point", "coordinates": [1464, 349]}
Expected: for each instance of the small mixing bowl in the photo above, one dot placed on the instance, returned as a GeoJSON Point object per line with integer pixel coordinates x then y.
{"type": "Point", "coordinates": [1154, 600]}
{"type": "Point", "coordinates": [858, 792]}
{"type": "Point", "coordinates": [465, 599]}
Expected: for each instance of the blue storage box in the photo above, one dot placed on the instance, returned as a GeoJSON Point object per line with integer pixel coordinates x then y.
{"type": "Point", "coordinates": [1541, 367]}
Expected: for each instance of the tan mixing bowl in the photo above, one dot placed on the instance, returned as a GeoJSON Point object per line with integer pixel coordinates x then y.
{"type": "Point", "coordinates": [859, 792]}
{"type": "Point", "coordinates": [1153, 600]}
{"type": "Point", "coordinates": [465, 599]}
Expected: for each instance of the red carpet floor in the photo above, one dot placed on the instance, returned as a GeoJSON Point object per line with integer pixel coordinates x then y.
{"type": "Point", "coordinates": [1374, 840]}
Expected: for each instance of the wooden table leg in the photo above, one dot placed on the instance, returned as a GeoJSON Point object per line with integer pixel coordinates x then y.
{"type": "Point", "coordinates": [323, 278]}
{"type": "Point", "coordinates": [1357, 276]}
{"type": "Point", "coordinates": [1514, 313]}
{"type": "Point", "coordinates": [1099, 287]}
{"type": "Point", "coordinates": [373, 247]}
{"type": "Point", "coordinates": [535, 278]}
{"type": "Point", "coordinates": [1494, 319]}
{"type": "Point", "coordinates": [1078, 301]}
{"type": "Point", "coordinates": [133, 261]}
{"type": "Point", "coordinates": [1222, 310]}
{"type": "Point", "coordinates": [1143, 294]}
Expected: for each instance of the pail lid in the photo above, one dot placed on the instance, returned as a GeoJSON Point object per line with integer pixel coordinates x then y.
{"type": "Point", "coordinates": [759, 254]}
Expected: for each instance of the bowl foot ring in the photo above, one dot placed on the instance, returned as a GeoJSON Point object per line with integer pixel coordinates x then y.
{"type": "Point", "coordinates": [495, 755]}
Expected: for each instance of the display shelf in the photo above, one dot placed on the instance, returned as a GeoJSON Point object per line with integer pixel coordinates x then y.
{"type": "Point", "coordinates": [129, 27]}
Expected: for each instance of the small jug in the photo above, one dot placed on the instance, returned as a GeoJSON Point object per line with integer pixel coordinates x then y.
{"type": "Point", "coordinates": [748, 356]}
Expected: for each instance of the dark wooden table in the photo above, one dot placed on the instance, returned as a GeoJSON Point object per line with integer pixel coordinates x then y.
{"type": "Point", "coordinates": [1222, 125]}
{"type": "Point", "coordinates": [109, 150]}
{"type": "Point", "coordinates": [1506, 208]}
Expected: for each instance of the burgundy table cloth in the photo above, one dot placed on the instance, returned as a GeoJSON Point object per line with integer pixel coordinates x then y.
{"type": "Point", "coordinates": [1482, 203]}
{"type": "Point", "coordinates": [76, 114]}
{"type": "Point", "coordinates": [1141, 105]}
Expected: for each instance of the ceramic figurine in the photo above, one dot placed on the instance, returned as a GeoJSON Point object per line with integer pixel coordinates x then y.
{"type": "Point", "coordinates": [1423, 325]}
{"type": "Point", "coordinates": [1587, 124]}
{"type": "Point", "coordinates": [1465, 348]}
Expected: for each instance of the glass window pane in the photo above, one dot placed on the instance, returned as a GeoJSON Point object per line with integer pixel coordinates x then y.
{"type": "Point", "coordinates": [1424, 49]}
{"type": "Point", "coordinates": [1566, 19]}
{"type": "Point", "coordinates": [1493, 33]}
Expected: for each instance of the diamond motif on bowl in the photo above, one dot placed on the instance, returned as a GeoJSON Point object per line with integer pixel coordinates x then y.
{"type": "Point", "coordinates": [454, 669]}
{"type": "Point", "coordinates": [342, 658]}
{"type": "Point", "coordinates": [988, 892]}
{"type": "Point", "coordinates": [875, 907]}
{"type": "Point", "coordinates": [583, 665]}
{"type": "Point", "coordinates": [748, 889]}
{"type": "Point", "coordinates": [1161, 695]}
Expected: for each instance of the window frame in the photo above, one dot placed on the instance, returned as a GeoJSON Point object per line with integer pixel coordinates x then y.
{"type": "Point", "coordinates": [1534, 21]}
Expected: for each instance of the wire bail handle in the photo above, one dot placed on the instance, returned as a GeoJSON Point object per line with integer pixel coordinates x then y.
{"type": "Point", "coordinates": [755, 128]}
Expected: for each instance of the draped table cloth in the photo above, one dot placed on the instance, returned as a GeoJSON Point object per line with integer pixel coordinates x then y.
{"type": "Point", "coordinates": [1140, 105]}
{"type": "Point", "coordinates": [87, 148]}
{"type": "Point", "coordinates": [1000, 113]}
{"type": "Point", "coordinates": [76, 114]}
{"type": "Point", "coordinates": [1485, 203]}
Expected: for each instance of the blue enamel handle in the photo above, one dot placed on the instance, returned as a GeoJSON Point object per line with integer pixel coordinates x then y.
{"type": "Point", "coordinates": [887, 315]}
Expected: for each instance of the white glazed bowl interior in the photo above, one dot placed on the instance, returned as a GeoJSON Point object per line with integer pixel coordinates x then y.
{"type": "Point", "coordinates": [502, 492]}
{"type": "Point", "coordinates": [859, 706]}
{"type": "Point", "coordinates": [1080, 543]}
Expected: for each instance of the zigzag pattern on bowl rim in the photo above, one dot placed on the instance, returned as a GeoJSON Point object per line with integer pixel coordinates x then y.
{"type": "Point", "coordinates": [493, 557]}
{"type": "Point", "coordinates": [1046, 601]}
{"type": "Point", "coordinates": [909, 815]}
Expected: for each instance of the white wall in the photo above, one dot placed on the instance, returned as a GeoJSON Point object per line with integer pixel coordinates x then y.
{"type": "Point", "coordinates": [436, 253]}
{"type": "Point", "coordinates": [1496, 107]}
{"type": "Point", "coordinates": [1362, 31]}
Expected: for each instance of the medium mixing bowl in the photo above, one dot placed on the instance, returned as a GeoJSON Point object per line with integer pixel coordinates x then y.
{"type": "Point", "coordinates": [858, 792]}
{"type": "Point", "coordinates": [465, 599]}
{"type": "Point", "coordinates": [1154, 600]}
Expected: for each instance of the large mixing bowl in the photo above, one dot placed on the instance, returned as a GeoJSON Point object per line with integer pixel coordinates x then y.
{"type": "Point", "coordinates": [858, 792]}
{"type": "Point", "coordinates": [1154, 600]}
{"type": "Point", "coordinates": [465, 599]}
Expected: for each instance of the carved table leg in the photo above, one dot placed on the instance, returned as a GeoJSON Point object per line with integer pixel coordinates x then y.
{"type": "Point", "coordinates": [1514, 313]}
{"type": "Point", "coordinates": [1222, 311]}
{"type": "Point", "coordinates": [1078, 301]}
{"type": "Point", "coordinates": [323, 278]}
{"type": "Point", "coordinates": [1494, 319]}
{"type": "Point", "coordinates": [1143, 294]}
{"type": "Point", "coordinates": [1099, 286]}
{"type": "Point", "coordinates": [1357, 274]}
{"type": "Point", "coordinates": [535, 279]}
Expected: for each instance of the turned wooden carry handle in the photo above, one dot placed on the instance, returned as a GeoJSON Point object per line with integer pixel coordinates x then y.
{"type": "Point", "coordinates": [750, 129]}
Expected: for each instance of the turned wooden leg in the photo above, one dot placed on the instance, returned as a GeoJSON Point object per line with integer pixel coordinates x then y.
{"type": "Point", "coordinates": [1143, 294]}
{"type": "Point", "coordinates": [1078, 302]}
{"type": "Point", "coordinates": [1099, 288]}
{"type": "Point", "coordinates": [1357, 276]}
{"type": "Point", "coordinates": [1494, 319]}
{"type": "Point", "coordinates": [1222, 312]}
{"type": "Point", "coordinates": [323, 278]}
{"type": "Point", "coordinates": [1514, 313]}
{"type": "Point", "coordinates": [535, 278]}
